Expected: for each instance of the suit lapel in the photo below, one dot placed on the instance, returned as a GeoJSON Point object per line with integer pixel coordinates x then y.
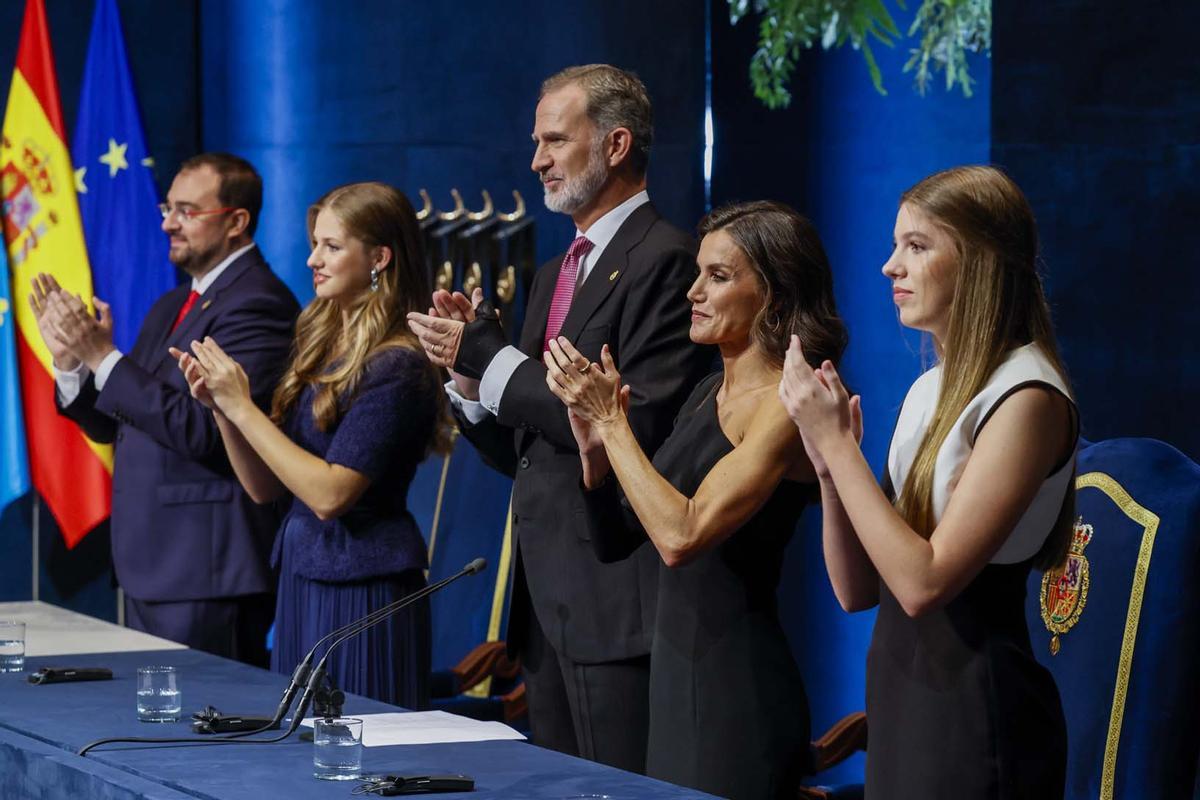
{"type": "Point", "coordinates": [193, 323]}
{"type": "Point", "coordinates": [159, 346]}
{"type": "Point", "coordinates": [533, 332]}
{"type": "Point", "coordinates": [606, 272]}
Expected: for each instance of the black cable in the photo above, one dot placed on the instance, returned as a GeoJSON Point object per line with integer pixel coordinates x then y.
{"type": "Point", "coordinates": [314, 678]}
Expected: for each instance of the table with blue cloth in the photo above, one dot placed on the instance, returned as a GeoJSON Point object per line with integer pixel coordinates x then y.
{"type": "Point", "coordinates": [42, 727]}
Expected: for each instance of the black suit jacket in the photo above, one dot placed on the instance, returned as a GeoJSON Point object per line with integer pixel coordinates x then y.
{"type": "Point", "coordinates": [182, 527]}
{"type": "Point", "coordinates": [634, 299]}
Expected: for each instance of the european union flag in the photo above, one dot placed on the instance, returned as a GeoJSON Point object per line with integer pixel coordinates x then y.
{"type": "Point", "coordinates": [114, 177]}
{"type": "Point", "coordinates": [14, 465]}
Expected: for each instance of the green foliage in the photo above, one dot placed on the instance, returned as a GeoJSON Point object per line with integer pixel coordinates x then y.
{"type": "Point", "coordinates": [948, 30]}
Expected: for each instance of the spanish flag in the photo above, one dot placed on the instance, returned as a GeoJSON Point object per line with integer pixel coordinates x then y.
{"type": "Point", "coordinates": [42, 233]}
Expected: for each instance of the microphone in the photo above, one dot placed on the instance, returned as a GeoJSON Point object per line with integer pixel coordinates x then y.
{"type": "Point", "coordinates": [304, 675]}
{"type": "Point", "coordinates": [301, 676]}
{"type": "Point", "coordinates": [353, 629]}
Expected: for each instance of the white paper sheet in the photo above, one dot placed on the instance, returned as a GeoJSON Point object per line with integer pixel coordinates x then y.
{"type": "Point", "coordinates": [426, 727]}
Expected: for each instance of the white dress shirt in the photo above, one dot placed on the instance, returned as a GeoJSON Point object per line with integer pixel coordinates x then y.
{"type": "Point", "coordinates": [69, 382]}
{"type": "Point", "coordinates": [499, 371]}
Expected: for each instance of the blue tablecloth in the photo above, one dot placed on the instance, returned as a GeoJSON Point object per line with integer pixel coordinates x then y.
{"type": "Point", "coordinates": [41, 727]}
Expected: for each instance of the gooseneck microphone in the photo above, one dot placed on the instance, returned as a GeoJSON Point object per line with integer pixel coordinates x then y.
{"type": "Point", "coordinates": [300, 676]}
{"type": "Point", "coordinates": [305, 675]}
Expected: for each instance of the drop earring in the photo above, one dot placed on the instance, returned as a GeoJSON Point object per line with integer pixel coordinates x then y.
{"type": "Point", "coordinates": [375, 279]}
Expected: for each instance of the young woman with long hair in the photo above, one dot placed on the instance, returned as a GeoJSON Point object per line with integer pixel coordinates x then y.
{"type": "Point", "coordinates": [979, 490]}
{"type": "Point", "coordinates": [719, 502]}
{"type": "Point", "coordinates": [358, 408]}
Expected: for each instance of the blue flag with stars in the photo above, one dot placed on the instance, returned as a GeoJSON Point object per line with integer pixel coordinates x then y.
{"type": "Point", "coordinates": [115, 181]}
{"type": "Point", "coordinates": [14, 465]}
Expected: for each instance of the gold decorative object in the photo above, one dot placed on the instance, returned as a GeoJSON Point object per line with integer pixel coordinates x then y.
{"type": "Point", "coordinates": [426, 205]}
{"type": "Point", "coordinates": [458, 210]}
{"type": "Point", "coordinates": [473, 278]}
{"type": "Point", "coordinates": [506, 286]}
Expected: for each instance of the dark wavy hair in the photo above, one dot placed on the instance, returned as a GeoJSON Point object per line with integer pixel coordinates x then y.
{"type": "Point", "coordinates": [791, 264]}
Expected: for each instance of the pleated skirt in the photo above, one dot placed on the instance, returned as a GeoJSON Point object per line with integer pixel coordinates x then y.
{"type": "Point", "coordinates": [389, 662]}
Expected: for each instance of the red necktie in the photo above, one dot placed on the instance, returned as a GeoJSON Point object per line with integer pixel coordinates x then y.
{"type": "Point", "coordinates": [564, 290]}
{"type": "Point", "coordinates": [187, 306]}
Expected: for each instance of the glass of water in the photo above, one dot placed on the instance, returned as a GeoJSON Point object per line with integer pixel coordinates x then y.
{"type": "Point", "coordinates": [158, 695]}
{"type": "Point", "coordinates": [337, 748]}
{"type": "Point", "coordinates": [12, 646]}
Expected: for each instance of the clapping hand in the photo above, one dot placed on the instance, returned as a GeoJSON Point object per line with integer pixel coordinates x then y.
{"type": "Point", "coordinates": [590, 390]}
{"type": "Point", "coordinates": [440, 333]}
{"type": "Point", "coordinates": [71, 332]}
{"type": "Point", "coordinates": [214, 378]}
{"type": "Point", "coordinates": [593, 394]}
{"type": "Point", "coordinates": [190, 368]}
{"type": "Point", "coordinates": [818, 404]}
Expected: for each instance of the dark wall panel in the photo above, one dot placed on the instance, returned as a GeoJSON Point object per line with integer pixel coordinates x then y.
{"type": "Point", "coordinates": [1096, 111]}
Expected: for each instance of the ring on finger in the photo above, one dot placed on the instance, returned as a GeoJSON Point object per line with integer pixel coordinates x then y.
{"type": "Point", "coordinates": [586, 367]}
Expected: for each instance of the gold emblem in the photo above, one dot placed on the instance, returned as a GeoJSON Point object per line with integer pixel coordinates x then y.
{"type": "Point", "coordinates": [613, 277]}
{"type": "Point", "coordinates": [1064, 591]}
{"type": "Point", "coordinates": [26, 182]}
{"type": "Point", "coordinates": [205, 304]}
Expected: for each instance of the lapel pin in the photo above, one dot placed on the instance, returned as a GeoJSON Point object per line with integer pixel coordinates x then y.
{"type": "Point", "coordinates": [613, 277]}
{"type": "Point", "coordinates": [205, 304]}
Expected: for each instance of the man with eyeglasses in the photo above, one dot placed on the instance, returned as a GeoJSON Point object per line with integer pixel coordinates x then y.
{"type": "Point", "coordinates": [190, 548]}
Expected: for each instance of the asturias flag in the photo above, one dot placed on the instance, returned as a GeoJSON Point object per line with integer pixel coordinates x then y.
{"type": "Point", "coordinates": [43, 233]}
{"type": "Point", "coordinates": [117, 198]}
{"type": "Point", "coordinates": [14, 466]}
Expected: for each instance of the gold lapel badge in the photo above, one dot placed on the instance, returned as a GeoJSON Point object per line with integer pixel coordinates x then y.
{"type": "Point", "coordinates": [614, 275]}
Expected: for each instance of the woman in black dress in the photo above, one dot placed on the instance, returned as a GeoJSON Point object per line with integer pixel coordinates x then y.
{"type": "Point", "coordinates": [728, 712]}
{"type": "Point", "coordinates": [981, 468]}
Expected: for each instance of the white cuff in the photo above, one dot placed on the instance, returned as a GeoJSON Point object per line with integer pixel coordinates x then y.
{"type": "Point", "coordinates": [106, 367]}
{"type": "Point", "coordinates": [473, 410]}
{"type": "Point", "coordinates": [69, 382]}
{"type": "Point", "coordinates": [496, 377]}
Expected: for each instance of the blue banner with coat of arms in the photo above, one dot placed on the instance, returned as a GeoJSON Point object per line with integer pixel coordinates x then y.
{"type": "Point", "coordinates": [14, 463]}
{"type": "Point", "coordinates": [114, 177]}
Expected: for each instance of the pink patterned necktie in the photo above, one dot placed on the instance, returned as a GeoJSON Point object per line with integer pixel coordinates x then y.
{"type": "Point", "coordinates": [564, 290]}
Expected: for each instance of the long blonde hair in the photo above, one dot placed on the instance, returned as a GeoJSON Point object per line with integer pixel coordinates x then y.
{"type": "Point", "coordinates": [331, 355]}
{"type": "Point", "coordinates": [998, 304]}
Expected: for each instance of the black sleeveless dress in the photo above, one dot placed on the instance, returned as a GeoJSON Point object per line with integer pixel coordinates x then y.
{"type": "Point", "coordinates": [728, 711]}
{"type": "Point", "coordinates": [957, 706]}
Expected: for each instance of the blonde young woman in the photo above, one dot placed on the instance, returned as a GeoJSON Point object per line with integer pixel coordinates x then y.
{"type": "Point", "coordinates": [357, 409]}
{"type": "Point", "coordinates": [978, 491]}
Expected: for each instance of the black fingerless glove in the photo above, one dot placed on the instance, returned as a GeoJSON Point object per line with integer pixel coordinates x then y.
{"type": "Point", "coordinates": [482, 338]}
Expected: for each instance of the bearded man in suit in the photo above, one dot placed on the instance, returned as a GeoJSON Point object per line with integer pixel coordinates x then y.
{"type": "Point", "coordinates": [581, 628]}
{"type": "Point", "coordinates": [190, 548]}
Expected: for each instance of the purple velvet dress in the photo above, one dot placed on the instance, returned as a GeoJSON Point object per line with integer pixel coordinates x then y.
{"type": "Point", "coordinates": [335, 571]}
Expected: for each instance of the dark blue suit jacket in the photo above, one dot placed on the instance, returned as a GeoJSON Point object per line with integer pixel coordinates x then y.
{"type": "Point", "coordinates": [182, 526]}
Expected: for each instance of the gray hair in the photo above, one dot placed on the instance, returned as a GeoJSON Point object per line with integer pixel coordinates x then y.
{"type": "Point", "coordinates": [616, 98]}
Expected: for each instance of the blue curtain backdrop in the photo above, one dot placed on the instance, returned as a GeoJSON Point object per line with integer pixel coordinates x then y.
{"type": "Point", "coordinates": [435, 95]}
